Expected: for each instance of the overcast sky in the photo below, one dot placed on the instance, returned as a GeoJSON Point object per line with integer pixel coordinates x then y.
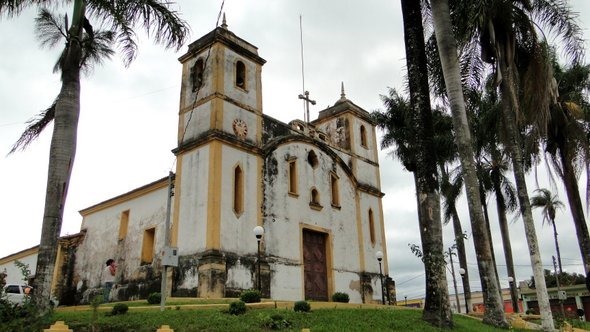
{"type": "Point", "coordinates": [128, 120]}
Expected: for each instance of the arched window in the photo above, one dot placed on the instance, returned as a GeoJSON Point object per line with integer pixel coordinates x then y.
{"type": "Point", "coordinates": [238, 190]}
{"type": "Point", "coordinates": [363, 136]}
{"type": "Point", "coordinates": [241, 74]}
{"type": "Point", "coordinates": [335, 193]}
{"type": "Point", "coordinates": [197, 75]}
{"type": "Point", "coordinates": [371, 227]}
{"type": "Point", "coordinates": [312, 159]}
{"type": "Point", "coordinates": [293, 177]}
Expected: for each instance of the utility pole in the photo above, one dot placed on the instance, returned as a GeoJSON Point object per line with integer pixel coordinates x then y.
{"type": "Point", "coordinates": [559, 294]}
{"type": "Point", "coordinates": [163, 291]}
{"type": "Point", "coordinates": [454, 280]}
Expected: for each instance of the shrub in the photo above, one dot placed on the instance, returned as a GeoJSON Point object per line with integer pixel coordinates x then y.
{"type": "Point", "coordinates": [119, 309]}
{"type": "Point", "coordinates": [250, 296]}
{"type": "Point", "coordinates": [302, 306]}
{"type": "Point", "coordinates": [276, 322]}
{"type": "Point", "coordinates": [154, 298]}
{"type": "Point", "coordinates": [237, 308]}
{"type": "Point", "coordinates": [340, 297]}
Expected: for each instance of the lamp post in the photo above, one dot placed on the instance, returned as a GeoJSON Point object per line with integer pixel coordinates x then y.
{"type": "Point", "coordinates": [462, 273]}
{"type": "Point", "coordinates": [258, 232]}
{"type": "Point", "coordinates": [379, 256]}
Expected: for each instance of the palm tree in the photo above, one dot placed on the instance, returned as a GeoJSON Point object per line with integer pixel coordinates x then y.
{"type": "Point", "coordinates": [507, 35]}
{"type": "Point", "coordinates": [567, 145]}
{"type": "Point", "coordinates": [437, 310]}
{"type": "Point", "coordinates": [550, 204]}
{"type": "Point", "coordinates": [121, 17]}
{"type": "Point", "coordinates": [494, 314]}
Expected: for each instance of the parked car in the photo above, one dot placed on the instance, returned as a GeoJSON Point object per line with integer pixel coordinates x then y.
{"type": "Point", "coordinates": [17, 294]}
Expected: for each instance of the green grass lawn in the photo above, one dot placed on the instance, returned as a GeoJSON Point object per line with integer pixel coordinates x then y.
{"type": "Point", "coordinates": [387, 319]}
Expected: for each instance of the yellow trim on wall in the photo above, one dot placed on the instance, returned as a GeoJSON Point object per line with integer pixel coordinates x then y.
{"type": "Point", "coordinates": [359, 230]}
{"type": "Point", "coordinates": [383, 243]}
{"type": "Point", "coordinates": [24, 253]}
{"type": "Point", "coordinates": [259, 89]}
{"type": "Point", "coordinates": [125, 197]}
{"type": "Point", "coordinates": [56, 269]}
{"type": "Point", "coordinates": [259, 194]}
{"type": "Point", "coordinates": [176, 197]}
{"type": "Point", "coordinates": [214, 196]}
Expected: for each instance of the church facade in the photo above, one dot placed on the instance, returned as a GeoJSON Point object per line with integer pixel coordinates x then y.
{"type": "Point", "coordinates": [313, 187]}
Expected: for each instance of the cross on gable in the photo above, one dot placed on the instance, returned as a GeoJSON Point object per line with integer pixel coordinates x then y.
{"type": "Point", "coordinates": [307, 102]}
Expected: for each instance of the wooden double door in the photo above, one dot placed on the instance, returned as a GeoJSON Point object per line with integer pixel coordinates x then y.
{"type": "Point", "coordinates": [315, 265]}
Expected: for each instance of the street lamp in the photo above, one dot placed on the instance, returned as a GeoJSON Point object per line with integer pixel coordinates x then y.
{"type": "Point", "coordinates": [379, 256]}
{"type": "Point", "coordinates": [462, 273]}
{"type": "Point", "coordinates": [513, 295]}
{"type": "Point", "coordinates": [258, 231]}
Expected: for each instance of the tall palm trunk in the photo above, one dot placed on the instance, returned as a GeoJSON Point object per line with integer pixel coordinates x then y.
{"type": "Point", "coordinates": [462, 255]}
{"type": "Point", "coordinates": [61, 159]}
{"type": "Point", "coordinates": [556, 245]}
{"type": "Point", "coordinates": [577, 210]}
{"type": "Point", "coordinates": [494, 314]}
{"type": "Point", "coordinates": [509, 111]}
{"type": "Point", "coordinates": [460, 241]}
{"type": "Point", "coordinates": [504, 232]}
{"type": "Point", "coordinates": [437, 309]}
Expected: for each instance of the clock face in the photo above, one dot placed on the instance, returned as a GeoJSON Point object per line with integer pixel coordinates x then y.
{"type": "Point", "coordinates": [240, 128]}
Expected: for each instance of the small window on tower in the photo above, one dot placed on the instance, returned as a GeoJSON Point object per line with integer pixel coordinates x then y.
{"type": "Point", "coordinates": [241, 75]}
{"type": "Point", "coordinates": [293, 177]}
{"type": "Point", "coordinates": [197, 75]}
{"type": "Point", "coordinates": [335, 191]}
{"type": "Point", "coordinates": [371, 227]}
{"type": "Point", "coordinates": [238, 190]}
{"type": "Point", "coordinates": [363, 136]}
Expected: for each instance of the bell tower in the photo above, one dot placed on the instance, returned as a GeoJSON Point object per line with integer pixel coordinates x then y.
{"type": "Point", "coordinates": [221, 82]}
{"type": "Point", "coordinates": [218, 171]}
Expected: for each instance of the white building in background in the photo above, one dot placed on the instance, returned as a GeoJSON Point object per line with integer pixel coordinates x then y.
{"type": "Point", "coordinates": [314, 186]}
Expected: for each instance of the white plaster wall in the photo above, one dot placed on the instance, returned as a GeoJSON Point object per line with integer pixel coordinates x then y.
{"type": "Point", "coordinates": [101, 241]}
{"type": "Point", "coordinates": [245, 96]}
{"type": "Point", "coordinates": [236, 230]}
{"type": "Point", "coordinates": [193, 196]}
{"type": "Point", "coordinates": [14, 274]}
{"type": "Point", "coordinates": [232, 112]}
{"type": "Point", "coordinates": [196, 122]}
{"type": "Point", "coordinates": [286, 282]}
{"type": "Point", "coordinates": [348, 283]}
{"type": "Point", "coordinates": [240, 277]}
{"type": "Point", "coordinates": [367, 173]}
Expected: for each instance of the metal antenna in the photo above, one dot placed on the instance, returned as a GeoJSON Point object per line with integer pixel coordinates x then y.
{"type": "Point", "coordinates": [305, 115]}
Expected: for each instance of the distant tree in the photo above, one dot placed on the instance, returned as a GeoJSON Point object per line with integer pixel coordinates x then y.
{"type": "Point", "coordinates": [549, 203]}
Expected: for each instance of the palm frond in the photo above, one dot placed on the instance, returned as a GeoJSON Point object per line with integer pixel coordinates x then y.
{"type": "Point", "coordinates": [34, 128]}
{"type": "Point", "coordinates": [12, 8]}
{"type": "Point", "coordinates": [155, 17]}
{"type": "Point", "coordinates": [49, 31]}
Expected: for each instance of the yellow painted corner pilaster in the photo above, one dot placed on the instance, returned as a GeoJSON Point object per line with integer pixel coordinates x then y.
{"type": "Point", "coordinates": [359, 230]}
{"type": "Point", "coordinates": [214, 195]}
{"type": "Point", "coordinates": [176, 207]}
{"type": "Point", "coordinates": [383, 243]}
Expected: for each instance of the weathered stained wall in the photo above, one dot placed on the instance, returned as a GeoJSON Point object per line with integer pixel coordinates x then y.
{"type": "Point", "coordinates": [147, 209]}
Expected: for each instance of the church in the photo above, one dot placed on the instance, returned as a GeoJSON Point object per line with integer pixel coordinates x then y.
{"type": "Point", "coordinates": [292, 209]}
